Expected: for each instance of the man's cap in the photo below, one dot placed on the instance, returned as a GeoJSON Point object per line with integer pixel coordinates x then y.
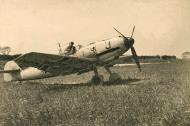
{"type": "Point", "coordinates": [71, 42]}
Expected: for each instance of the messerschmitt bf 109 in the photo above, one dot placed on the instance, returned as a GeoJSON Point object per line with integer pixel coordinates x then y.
{"type": "Point", "coordinates": [33, 65]}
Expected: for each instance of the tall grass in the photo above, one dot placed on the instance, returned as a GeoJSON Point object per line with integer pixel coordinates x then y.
{"type": "Point", "coordinates": [160, 95]}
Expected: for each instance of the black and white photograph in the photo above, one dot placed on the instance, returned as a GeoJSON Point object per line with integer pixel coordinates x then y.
{"type": "Point", "coordinates": [94, 62]}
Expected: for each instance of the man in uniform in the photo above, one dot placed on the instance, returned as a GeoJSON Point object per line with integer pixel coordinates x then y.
{"type": "Point", "coordinates": [70, 49]}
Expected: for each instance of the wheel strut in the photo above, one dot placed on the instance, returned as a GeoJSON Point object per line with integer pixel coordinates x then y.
{"type": "Point", "coordinates": [96, 79]}
{"type": "Point", "coordinates": [113, 76]}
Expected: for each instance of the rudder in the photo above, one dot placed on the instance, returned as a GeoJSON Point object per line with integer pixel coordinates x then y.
{"type": "Point", "coordinates": [15, 74]}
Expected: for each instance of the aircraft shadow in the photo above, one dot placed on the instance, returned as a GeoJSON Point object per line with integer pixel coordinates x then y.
{"type": "Point", "coordinates": [62, 87]}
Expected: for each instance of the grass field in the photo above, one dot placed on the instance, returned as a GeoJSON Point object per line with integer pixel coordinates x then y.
{"type": "Point", "coordinates": [158, 96]}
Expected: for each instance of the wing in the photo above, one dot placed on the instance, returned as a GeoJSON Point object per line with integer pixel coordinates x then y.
{"type": "Point", "coordinates": [54, 63]}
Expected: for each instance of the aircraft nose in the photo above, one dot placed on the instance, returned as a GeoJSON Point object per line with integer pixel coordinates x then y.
{"type": "Point", "coordinates": [129, 42]}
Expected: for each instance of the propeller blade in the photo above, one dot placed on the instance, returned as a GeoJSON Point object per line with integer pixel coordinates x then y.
{"type": "Point", "coordinates": [133, 31]}
{"type": "Point", "coordinates": [135, 57]}
{"type": "Point", "coordinates": [119, 32]}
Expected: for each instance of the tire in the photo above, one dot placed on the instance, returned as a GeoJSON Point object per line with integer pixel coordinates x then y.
{"type": "Point", "coordinates": [97, 80]}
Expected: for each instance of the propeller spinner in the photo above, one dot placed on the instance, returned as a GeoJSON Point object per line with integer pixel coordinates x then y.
{"type": "Point", "coordinates": [129, 41]}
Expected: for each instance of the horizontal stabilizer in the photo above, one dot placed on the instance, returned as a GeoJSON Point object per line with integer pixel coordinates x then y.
{"type": "Point", "coordinates": [9, 71]}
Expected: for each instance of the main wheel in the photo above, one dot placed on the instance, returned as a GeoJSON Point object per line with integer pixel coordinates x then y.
{"type": "Point", "coordinates": [97, 79]}
{"type": "Point", "coordinates": [114, 77]}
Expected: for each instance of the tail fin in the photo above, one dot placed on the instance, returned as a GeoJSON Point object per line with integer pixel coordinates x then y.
{"type": "Point", "coordinates": [11, 71]}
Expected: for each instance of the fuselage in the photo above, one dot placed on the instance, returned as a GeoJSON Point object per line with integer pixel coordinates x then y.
{"type": "Point", "coordinates": [104, 50]}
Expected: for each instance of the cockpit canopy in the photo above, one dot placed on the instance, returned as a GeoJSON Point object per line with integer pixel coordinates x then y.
{"type": "Point", "coordinates": [62, 47]}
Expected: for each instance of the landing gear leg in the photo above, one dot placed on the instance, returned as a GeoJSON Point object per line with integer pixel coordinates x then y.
{"type": "Point", "coordinates": [113, 76]}
{"type": "Point", "coordinates": [97, 79]}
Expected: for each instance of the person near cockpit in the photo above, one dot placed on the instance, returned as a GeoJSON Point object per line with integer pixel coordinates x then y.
{"type": "Point", "coordinates": [70, 49]}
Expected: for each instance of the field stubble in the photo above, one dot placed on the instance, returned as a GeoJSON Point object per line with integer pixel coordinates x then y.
{"type": "Point", "coordinates": [160, 95]}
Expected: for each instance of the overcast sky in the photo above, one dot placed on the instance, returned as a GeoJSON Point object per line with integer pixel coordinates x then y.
{"type": "Point", "coordinates": [162, 26]}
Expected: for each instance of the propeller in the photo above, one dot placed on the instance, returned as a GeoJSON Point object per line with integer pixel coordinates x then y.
{"type": "Point", "coordinates": [119, 32]}
{"type": "Point", "coordinates": [129, 41]}
{"type": "Point", "coordinates": [132, 31]}
{"type": "Point", "coordinates": [135, 57]}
